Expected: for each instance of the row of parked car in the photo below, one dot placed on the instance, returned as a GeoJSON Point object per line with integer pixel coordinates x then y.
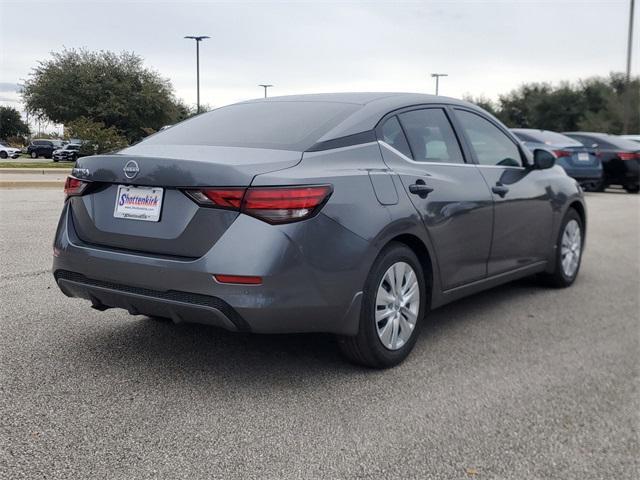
{"type": "Point", "coordinates": [595, 160]}
{"type": "Point", "coordinates": [57, 150]}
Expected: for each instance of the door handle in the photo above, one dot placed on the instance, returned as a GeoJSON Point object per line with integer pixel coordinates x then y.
{"type": "Point", "coordinates": [500, 189]}
{"type": "Point", "coordinates": [420, 188]}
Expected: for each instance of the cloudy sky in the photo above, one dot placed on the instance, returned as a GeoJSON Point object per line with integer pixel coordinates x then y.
{"type": "Point", "coordinates": [486, 47]}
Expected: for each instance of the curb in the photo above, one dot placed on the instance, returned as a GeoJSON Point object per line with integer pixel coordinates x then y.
{"type": "Point", "coordinates": [32, 184]}
{"type": "Point", "coordinates": [42, 171]}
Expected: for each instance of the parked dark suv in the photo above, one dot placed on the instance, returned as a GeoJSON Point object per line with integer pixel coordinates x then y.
{"type": "Point", "coordinates": [43, 148]}
{"type": "Point", "coordinates": [69, 153]}
{"type": "Point", "coordinates": [620, 158]}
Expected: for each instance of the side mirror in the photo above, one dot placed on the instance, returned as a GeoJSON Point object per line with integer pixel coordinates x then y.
{"type": "Point", "coordinates": [543, 159]}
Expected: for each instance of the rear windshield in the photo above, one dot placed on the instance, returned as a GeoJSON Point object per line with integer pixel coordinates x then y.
{"type": "Point", "coordinates": [547, 137]}
{"type": "Point", "coordinates": [272, 124]}
{"type": "Point", "coordinates": [613, 141]}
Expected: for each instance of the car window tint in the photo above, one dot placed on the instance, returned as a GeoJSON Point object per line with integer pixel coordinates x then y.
{"type": "Point", "coordinates": [282, 125]}
{"type": "Point", "coordinates": [431, 136]}
{"type": "Point", "coordinates": [490, 144]}
{"type": "Point", "coordinates": [393, 135]}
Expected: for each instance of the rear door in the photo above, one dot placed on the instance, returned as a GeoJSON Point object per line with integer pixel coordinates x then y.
{"type": "Point", "coordinates": [522, 196]}
{"type": "Point", "coordinates": [450, 194]}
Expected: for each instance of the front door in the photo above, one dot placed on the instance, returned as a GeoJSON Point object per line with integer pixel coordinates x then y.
{"type": "Point", "coordinates": [449, 193]}
{"type": "Point", "coordinates": [522, 208]}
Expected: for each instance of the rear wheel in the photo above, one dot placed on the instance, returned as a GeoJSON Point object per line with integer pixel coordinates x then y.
{"type": "Point", "coordinates": [3, 154]}
{"type": "Point", "coordinates": [568, 251]}
{"type": "Point", "coordinates": [394, 303]}
{"type": "Point", "coordinates": [34, 154]}
{"type": "Point", "coordinates": [632, 188]}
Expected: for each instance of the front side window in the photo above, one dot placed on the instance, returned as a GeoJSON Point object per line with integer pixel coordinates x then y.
{"type": "Point", "coordinates": [431, 136]}
{"type": "Point", "coordinates": [490, 144]}
{"type": "Point", "coordinates": [393, 135]}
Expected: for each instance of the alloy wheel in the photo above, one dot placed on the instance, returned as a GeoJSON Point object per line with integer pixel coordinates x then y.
{"type": "Point", "coordinates": [571, 248]}
{"type": "Point", "coordinates": [397, 305]}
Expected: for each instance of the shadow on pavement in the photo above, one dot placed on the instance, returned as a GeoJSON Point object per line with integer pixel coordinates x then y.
{"type": "Point", "coordinates": [190, 350]}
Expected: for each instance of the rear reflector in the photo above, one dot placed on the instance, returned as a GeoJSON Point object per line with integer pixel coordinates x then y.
{"type": "Point", "coordinates": [238, 279]}
{"type": "Point", "coordinates": [271, 204]}
{"type": "Point", "coordinates": [628, 155]}
{"type": "Point", "coordinates": [74, 186]}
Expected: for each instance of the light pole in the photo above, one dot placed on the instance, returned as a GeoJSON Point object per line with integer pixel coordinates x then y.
{"type": "Point", "coordinates": [265, 88]}
{"type": "Point", "coordinates": [627, 86]}
{"type": "Point", "coordinates": [198, 39]}
{"type": "Point", "coordinates": [437, 77]}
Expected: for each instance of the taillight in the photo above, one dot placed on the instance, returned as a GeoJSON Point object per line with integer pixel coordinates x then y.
{"type": "Point", "coordinates": [628, 155]}
{"type": "Point", "coordinates": [562, 153]}
{"type": "Point", "coordinates": [285, 204]}
{"type": "Point", "coordinates": [230, 198]}
{"type": "Point", "coordinates": [74, 186]}
{"type": "Point", "coordinates": [270, 204]}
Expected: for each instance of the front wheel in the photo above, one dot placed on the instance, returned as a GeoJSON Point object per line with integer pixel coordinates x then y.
{"type": "Point", "coordinates": [393, 306]}
{"type": "Point", "coordinates": [569, 248]}
{"type": "Point", "coordinates": [34, 155]}
{"type": "Point", "coordinates": [632, 188]}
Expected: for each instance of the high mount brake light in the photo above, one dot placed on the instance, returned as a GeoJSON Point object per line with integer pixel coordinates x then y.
{"type": "Point", "coordinates": [271, 204]}
{"type": "Point", "coordinates": [74, 186]}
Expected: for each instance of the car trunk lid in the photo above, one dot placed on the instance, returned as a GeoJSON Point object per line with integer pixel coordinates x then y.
{"type": "Point", "coordinates": [183, 229]}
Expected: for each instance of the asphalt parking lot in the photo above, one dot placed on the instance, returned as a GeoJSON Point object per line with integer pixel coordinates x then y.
{"type": "Point", "coordinates": [519, 382]}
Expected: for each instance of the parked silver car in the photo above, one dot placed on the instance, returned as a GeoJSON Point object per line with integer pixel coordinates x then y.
{"type": "Point", "coordinates": [353, 214]}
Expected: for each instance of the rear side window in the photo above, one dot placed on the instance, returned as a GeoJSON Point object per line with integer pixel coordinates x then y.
{"type": "Point", "coordinates": [490, 144]}
{"type": "Point", "coordinates": [393, 135]}
{"type": "Point", "coordinates": [280, 125]}
{"type": "Point", "coordinates": [431, 136]}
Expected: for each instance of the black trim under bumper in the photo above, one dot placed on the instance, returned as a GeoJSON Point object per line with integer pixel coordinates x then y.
{"type": "Point", "coordinates": [180, 306]}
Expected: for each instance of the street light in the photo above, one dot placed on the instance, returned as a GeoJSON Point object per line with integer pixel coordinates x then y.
{"type": "Point", "coordinates": [627, 84]}
{"type": "Point", "coordinates": [437, 77]}
{"type": "Point", "coordinates": [265, 88]}
{"type": "Point", "coordinates": [198, 39]}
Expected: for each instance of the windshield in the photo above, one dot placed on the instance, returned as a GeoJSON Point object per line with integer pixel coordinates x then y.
{"type": "Point", "coordinates": [280, 125]}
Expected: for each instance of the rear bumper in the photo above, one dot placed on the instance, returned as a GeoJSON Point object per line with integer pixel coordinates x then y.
{"type": "Point", "coordinates": [179, 306]}
{"type": "Point", "coordinates": [302, 291]}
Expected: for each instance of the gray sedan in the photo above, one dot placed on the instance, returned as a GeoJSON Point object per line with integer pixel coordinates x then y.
{"type": "Point", "coordinates": [353, 214]}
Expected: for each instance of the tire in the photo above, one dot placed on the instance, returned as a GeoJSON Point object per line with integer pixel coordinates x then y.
{"type": "Point", "coordinates": [632, 188]}
{"type": "Point", "coordinates": [562, 276]}
{"type": "Point", "coordinates": [367, 347]}
{"type": "Point", "coordinates": [600, 187]}
{"type": "Point", "coordinates": [3, 155]}
{"type": "Point", "coordinates": [34, 154]}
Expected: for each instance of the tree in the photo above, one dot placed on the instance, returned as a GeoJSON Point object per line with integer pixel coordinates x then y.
{"type": "Point", "coordinates": [113, 89]}
{"type": "Point", "coordinates": [11, 124]}
{"type": "Point", "coordinates": [95, 136]}
{"type": "Point", "coordinates": [595, 104]}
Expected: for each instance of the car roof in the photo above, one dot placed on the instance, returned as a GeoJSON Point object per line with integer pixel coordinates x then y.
{"type": "Point", "coordinates": [373, 106]}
